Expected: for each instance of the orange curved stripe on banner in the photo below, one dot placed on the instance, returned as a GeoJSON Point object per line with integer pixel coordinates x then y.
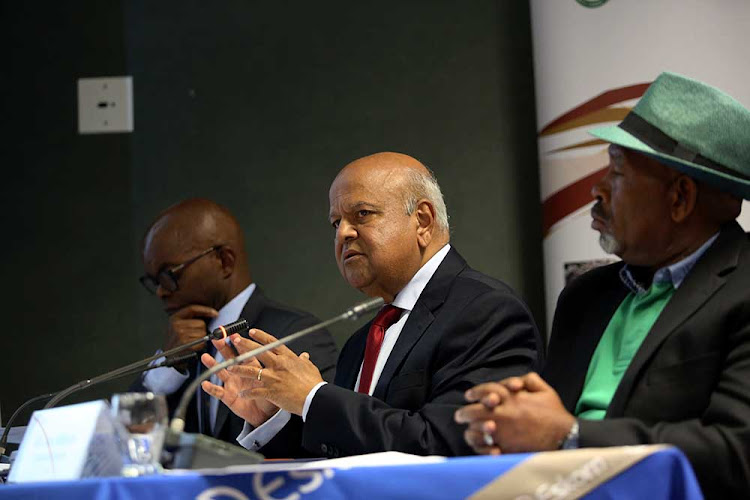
{"type": "Point", "coordinates": [598, 116]}
{"type": "Point", "coordinates": [568, 200]}
{"type": "Point", "coordinates": [603, 100]}
{"type": "Point", "coordinates": [592, 142]}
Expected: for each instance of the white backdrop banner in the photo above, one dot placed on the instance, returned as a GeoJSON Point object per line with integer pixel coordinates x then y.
{"type": "Point", "coordinates": [593, 59]}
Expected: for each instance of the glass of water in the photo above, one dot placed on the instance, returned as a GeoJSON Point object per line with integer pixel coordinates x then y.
{"type": "Point", "coordinates": [144, 417]}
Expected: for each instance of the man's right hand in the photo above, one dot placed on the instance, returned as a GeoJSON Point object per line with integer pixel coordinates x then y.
{"type": "Point", "coordinates": [254, 411]}
{"type": "Point", "coordinates": [188, 324]}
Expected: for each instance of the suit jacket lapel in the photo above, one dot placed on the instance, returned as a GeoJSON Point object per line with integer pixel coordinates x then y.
{"type": "Point", "coordinates": [568, 371]}
{"type": "Point", "coordinates": [703, 281]}
{"type": "Point", "coordinates": [351, 359]}
{"type": "Point", "coordinates": [250, 312]}
{"type": "Point", "coordinates": [420, 317]}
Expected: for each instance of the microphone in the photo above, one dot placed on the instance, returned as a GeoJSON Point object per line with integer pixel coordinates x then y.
{"type": "Point", "coordinates": [140, 365]}
{"type": "Point", "coordinates": [177, 425]}
{"type": "Point", "coordinates": [42, 397]}
{"type": "Point", "coordinates": [238, 326]}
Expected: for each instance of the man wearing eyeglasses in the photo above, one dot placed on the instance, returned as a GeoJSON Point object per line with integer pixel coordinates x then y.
{"type": "Point", "coordinates": [195, 262]}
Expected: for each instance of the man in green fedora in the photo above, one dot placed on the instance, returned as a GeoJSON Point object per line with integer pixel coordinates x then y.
{"type": "Point", "coordinates": [656, 348]}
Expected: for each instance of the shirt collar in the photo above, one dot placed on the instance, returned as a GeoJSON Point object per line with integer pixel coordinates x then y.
{"type": "Point", "coordinates": [674, 273]}
{"type": "Point", "coordinates": [232, 309]}
{"type": "Point", "coordinates": [407, 297]}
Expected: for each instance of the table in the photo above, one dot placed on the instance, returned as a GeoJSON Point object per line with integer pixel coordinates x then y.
{"type": "Point", "coordinates": [648, 472]}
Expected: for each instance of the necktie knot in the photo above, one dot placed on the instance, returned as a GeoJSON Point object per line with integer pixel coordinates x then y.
{"type": "Point", "coordinates": [387, 316]}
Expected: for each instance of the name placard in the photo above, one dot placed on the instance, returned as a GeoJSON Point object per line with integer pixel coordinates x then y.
{"type": "Point", "coordinates": [69, 442]}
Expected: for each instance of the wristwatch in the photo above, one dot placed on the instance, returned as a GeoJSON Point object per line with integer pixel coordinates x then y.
{"type": "Point", "coordinates": [571, 440]}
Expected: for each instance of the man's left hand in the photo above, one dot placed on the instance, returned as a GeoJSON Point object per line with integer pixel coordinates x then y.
{"type": "Point", "coordinates": [285, 380]}
{"type": "Point", "coordinates": [519, 414]}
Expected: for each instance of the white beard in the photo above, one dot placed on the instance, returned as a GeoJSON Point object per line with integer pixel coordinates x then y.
{"type": "Point", "coordinates": [608, 243]}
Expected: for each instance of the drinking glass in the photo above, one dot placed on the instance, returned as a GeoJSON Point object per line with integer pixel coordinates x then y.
{"type": "Point", "coordinates": [144, 416]}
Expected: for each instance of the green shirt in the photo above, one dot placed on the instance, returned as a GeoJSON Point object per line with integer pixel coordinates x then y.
{"type": "Point", "coordinates": [626, 330]}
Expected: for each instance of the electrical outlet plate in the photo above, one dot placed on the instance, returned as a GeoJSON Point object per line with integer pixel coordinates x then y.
{"type": "Point", "coordinates": [105, 105]}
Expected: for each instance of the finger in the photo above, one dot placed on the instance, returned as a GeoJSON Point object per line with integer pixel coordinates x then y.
{"type": "Point", "coordinates": [244, 345]}
{"type": "Point", "coordinates": [245, 371]}
{"type": "Point", "coordinates": [264, 338]}
{"type": "Point", "coordinates": [471, 413]}
{"type": "Point", "coordinates": [213, 389]}
{"type": "Point", "coordinates": [493, 399]}
{"type": "Point", "coordinates": [196, 311]}
{"type": "Point", "coordinates": [482, 426]}
{"type": "Point", "coordinates": [226, 351]}
{"type": "Point", "coordinates": [534, 383]}
{"type": "Point", "coordinates": [478, 391]}
{"type": "Point", "coordinates": [475, 439]}
{"type": "Point", "coordinates": [305, 356]}
{"type": "Point", "coordinates": [513, 384]}
{"type": "Point", "coordinates": [490, 394]}
{"type": "Point", "coordinates": [489, 426]}
{"type": "Point", "coordinates": [208, 360]}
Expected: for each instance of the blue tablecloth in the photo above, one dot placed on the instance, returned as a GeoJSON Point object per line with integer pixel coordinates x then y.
{"type": "Point", "coordinates": [664, 474]}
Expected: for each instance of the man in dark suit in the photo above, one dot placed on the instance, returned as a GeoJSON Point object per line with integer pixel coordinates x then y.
{"type": "Point", "coordinates": [399, 379]}
{"type": "Point", "coordinates": [195, 262]}
{"type": "Point", "coordinates": [655, 349]}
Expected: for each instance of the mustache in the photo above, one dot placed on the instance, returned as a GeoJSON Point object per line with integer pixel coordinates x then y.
{"type": "Point", "coordinates": [598, 211]}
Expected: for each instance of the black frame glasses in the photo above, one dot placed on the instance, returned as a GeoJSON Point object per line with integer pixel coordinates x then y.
{"type": "Point", "coordinates": [168, 278]}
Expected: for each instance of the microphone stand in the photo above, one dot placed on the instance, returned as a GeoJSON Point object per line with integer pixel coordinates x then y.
{"type": "Point", "coordinates": [177, 425]}
{"type": "Point", "coordinates": [129, 369]}
{"type": "Point", "coordinates": [42, 397]}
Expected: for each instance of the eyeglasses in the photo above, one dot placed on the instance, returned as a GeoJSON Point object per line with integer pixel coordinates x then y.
{"type": "Point", "coordinates": [167, 278]}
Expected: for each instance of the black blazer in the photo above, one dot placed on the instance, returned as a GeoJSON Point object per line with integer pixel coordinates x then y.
{"type": "Point", "coordinates": [465, 328]}
{"type": "Point", "coordinates": [280, 321]}
{"type": "Point", "coordinates": [689, 383]}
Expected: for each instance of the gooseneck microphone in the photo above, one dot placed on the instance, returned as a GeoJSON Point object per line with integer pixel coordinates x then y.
{"type": "Point", "coordinates": [238, 326]}
{"type": "Point", "coordinates": [177, 425]}
{"type": "Point", "coordinates": [219, 333]}
{"type": "Point", "coordinates": [42, 397]}
{"type": "Point", "coordinates": [9, 423]}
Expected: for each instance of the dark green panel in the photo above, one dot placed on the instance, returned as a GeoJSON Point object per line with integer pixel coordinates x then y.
{"type": "Point", "coordinates": [67, 260]}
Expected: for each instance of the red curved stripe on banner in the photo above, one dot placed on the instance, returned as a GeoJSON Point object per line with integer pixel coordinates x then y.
{"type": "Point", "coordinates": [568, 200]}
{"type": "Point", "coordinates": [586, 144]}
{"type": "Point", "coordinates": [601, 101]}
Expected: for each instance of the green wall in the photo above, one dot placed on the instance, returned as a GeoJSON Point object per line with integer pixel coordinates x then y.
{"type": "Point", "coordinates": [256, 105]}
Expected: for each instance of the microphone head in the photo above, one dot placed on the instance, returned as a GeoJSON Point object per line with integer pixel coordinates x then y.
{"type": "Point", "coordinates": [366, 306]}
{"type": "Point", "coordinates": [224, 331]}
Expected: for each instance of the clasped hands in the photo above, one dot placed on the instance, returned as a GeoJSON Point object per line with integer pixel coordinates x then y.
{"type": "Point", "coordinates": [257, 388]}
{"type": "Point", "coordinates": [517, 414]}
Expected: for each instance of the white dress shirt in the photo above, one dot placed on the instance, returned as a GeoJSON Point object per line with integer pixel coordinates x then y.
{"type": "Point", "coordinates": [406, 298]}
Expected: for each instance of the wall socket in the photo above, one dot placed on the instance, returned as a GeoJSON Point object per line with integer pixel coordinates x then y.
{"type": "Point", "coordinates": [105, 105]}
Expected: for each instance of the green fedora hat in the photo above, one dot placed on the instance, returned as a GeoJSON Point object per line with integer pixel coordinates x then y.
{"type": "Point", "coordinates": [691, 127]}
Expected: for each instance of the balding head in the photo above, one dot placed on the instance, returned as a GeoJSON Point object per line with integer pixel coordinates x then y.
{"type": "Point", "coordinates": [195, 224]}
{"type": "Point", "coordinates": [416, 182]}
{"type": "Point", "coordinates": [182, 232]}
{"type": "Point", "coordinates": [390, 219]}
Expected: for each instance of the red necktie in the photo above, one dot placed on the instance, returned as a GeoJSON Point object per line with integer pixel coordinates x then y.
{"type": "Point", "coordinates": [385, 318]}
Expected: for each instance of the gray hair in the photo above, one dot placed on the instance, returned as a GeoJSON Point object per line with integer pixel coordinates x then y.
{"type": "Point", "coordinates": [424, 186]}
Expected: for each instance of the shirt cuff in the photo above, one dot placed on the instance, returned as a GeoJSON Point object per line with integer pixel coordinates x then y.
{"type": "Point", "coordinates": [164, 380]}
{"type": "Point", "coordinates": [255, 438]}
{"type": "Point", "coordinates": [309, 398]}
